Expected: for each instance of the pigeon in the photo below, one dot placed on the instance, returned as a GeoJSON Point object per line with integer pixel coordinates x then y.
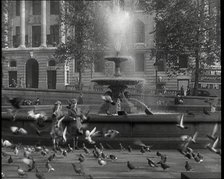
{"type": "Point", "coordinates": [81, 158]}
{"type": "Point", "coordinates": [89, 135]}
{"type": "Point", "coordinates": [43, 152]}
{"type": "Point", "coordinates": [187, 166]}
{"type": "Point", "coordinates": [86, 150]}
{"type": "Point", "coordinates": [181, 125]}
{"type": "Point", "coordinates": [213, 147]}
{"type": "Point", "coordinates": [10, 160]}
{"type": "Point", "coordinates": [129, 148]}
{"type": "Point", "coordinates": [164, 166]}
{"type": "Point", "coordinates": [158, 154]}
{"type": "Point", "coordinates": [77, 170]}
{"type": "Point", "coordinates": [16, 130]}
{"type": "Point", "coordinates": [27, 161]}
{"type": "Point", "coordinates": [101, 146]}
{"type": "Point", "coordinates": [64, 152]}
{"type": "Point", "coordinates": [97, 150]}
{"type": "Point", "coordinates": [194, 137]}
{"type": "Point", "coordinates": [103, 155]}
{"type": "Point", "coordinates": [130, 165]}
{"type": "Point", "coordinates": [196, 158]}
{"type": "Point", "coordinates": [142, 150]}
{"type": "Point", "coordinates": [95, 154]}
{"type": "Point", "coordinates": [188, 155]}
{"type": "Point", "coordinates": [214, 131]}
{"type": "Point", "coordinates": [140, 143]}
{"type": "Point", "coordinates": [112, 157]}
{"type": "Point", "coordinates": [15, 102]}
{"type": "Point", "coordinates": [6, 143]}
{"type": "Point", "coordinates": [39, 175]}
{"type": "Point", "coordinates": [51, 157]}
{"type": "Point", "coordinates": [36, 116]}
{"type": "Point", "coordinates": [205, 111]}
{"type": "Point", "coordinates": [101, 162]}
{"type": "Point", "coordinates": [70, 149]}
{"type": "Point", "coordinates": [48, 166]}
{"type": "Point", "coordinates": [32, 165]}
{"type": "Point", "coordinates": [111, 133]}
{"type": "Point", "coordinates": [2, 175]}
{"type": "Point", "coordinates": [108, 99]}
{"type": "Point", "coordinates": [16, 150]}
{"type": "Point", "coordinates": [122, 147]}
{"type": "Point", "coordinates": [21, 172]}
{"type": "Point", "coordinates": [190, 113]}
{"type": "Point", "coordinates": [201, 158]}
{"type": "Point", "coordinates": [64, 134]}
{"type": "Point", "coordinates": [151, 163]}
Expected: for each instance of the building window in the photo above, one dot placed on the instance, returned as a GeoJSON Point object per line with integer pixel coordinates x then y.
{"type": "Point", "coordinates": [139, 62]}
{"type": "Point", "coordinates": [12, 79]}
{"type": "Point", "coordinates": [54, 7]}
{"type": "Point", "coordinates": [160, 61]}
{"type": "Point", "coordinates": [12, 63]}
{"type": "Point", "coordinates": [183, 61]}
{"type": "Point", "coordinates": [36, 7]}
{"type": "Point", "coordinates": [51, 63]}
{"type": "Point", "coordinates": [17, 8]}
{"type": "Point", "coordinates": [67, 76]}
{"type": "Point", "coordinates": [140, 31]}
{"type": "Point", "coordinates": [36, 36]}
{"type": "Point", "coordinates": [16, 38]}
{"type": "Point", "coordinates": [99, 62]}
{"type": "Point", "coordinates": [54, 35]}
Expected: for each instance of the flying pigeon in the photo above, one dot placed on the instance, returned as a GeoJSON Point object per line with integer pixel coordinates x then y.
{"type": "Point", "coordinates": [213, 147]}
{"type": "Point", "coordinates": [214, 131]}
{"type": "Point", "coordinates": [181, 125]}
{"type": "Point", "coordinates": [36, 116]}
{"type": "Point", "coordinates": [16, 130]}
{"type": "Point", "coordinates": [108, 99]}
{"type": "Point", "coordinates": [89, 135]}
{"type": "Point", "coordinates": [6, 143]}
{"type": "Point", "coordinates": [111, 133]}
{"type": "Point", "coordinates": [140, 143]}
{"type": "Point", "coordinates": [49, 167]}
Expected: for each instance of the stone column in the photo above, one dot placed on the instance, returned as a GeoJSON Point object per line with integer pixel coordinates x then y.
{"type": "Point", "coordinates": [43, 24]}
{"type": "Point", "coordinates": [62, 18]}
{"type": "Point", "coordinates": [6, 23]}
{"type": "Point", "coordinates": [22, 24]}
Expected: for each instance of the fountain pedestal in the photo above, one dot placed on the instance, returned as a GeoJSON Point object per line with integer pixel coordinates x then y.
{"type": "Point", "coordinates": [118, 85]}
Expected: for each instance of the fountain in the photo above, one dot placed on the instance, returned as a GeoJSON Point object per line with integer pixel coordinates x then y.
{"type": "Point", "coordinates": [118, 85]}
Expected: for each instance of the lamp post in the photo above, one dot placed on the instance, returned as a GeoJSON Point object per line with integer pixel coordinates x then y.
{"type": "Point", "coordinates": [156, 68]}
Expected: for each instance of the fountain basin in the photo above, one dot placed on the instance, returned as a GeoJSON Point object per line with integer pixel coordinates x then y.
{"type": "Point", "coordinates": [119, 81]}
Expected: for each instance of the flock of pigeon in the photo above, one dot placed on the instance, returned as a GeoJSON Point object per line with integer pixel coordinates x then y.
{"type": "Point", "coordinates": [98, 152]}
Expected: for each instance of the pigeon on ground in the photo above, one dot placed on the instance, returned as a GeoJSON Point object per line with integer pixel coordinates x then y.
{"type": "Point", "coordinates": [51, 157]}
{"type": "Point", "coordinates": [205, 111]}
{"type": "Point", "coordinates": [39, 175]}
{"type": "Point", "coordinates": [129, 148]}
{"type": "Point", "coordinates": [2, 175]}
{"type": "Point", "coordinates": [86, 150]}
{"type": "Point", "coordinates": [140, 143]}
{"type": "Point", "coordinates": [142, 150]}
{"type": "Point", "coordinates": [190, 113]}
{"type": "Point", "coordinates": [70, 149]}
{"type": "Point", "coordinates": [187, 166]}
{"type": "Point", "coordinates": [101, 147]}
{"type": "Point", "coordinates": [49, 166]}
{"type": "Point", "coordinates": [181, 123]}
{"type": "Point", "coordinates": [122, 147]}
{"type": "Point", "coordinates": [16, 150]}
{"type": "Point", "coordinates": [164, 166]}
{"type": "Point", "coordinates": [77, 170]}
{"type": "Point", "coordinates": [151, 163]}
{"type": "Point", "coordinates": [130, 165]}
{"type": "Point", "coordinates": [112, 157]}
{"type": "Point", "coordinates": [10, 160]}
{"type": "Point", "coordinates": [214, 131]}
{"type": "Point", "coordinates": [81, 158]}
{"type": "Point", "coordinates": [101, 162]}
{"type": "Point", "coordinates": [21, 172]}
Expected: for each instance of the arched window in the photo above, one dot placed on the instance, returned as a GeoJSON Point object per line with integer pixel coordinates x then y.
{"type": "Point", "coordinates": [139, 31]}
{"type": "Point", "coordinates": [32, 73]}
{"type": "Point", "coordinates": [51, 63]}
{"type": "Point", "coordinates": [12, 63]}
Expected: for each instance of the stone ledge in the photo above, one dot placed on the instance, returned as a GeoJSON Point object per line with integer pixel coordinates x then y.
{"type": "Point", "coordinates": [201, 175]}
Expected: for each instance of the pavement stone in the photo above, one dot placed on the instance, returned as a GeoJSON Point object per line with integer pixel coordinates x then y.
{"type": "Point", "coordinates": [113, 169]}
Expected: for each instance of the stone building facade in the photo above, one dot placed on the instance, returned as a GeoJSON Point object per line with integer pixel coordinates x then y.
{"type": "Point", "coordinates": [35, 30]}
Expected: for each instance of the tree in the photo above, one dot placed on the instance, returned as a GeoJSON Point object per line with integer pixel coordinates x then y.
{"type": "Point", "coordinates": [83, 35]}
{"type": "Point", "coordinates": [186, 27]}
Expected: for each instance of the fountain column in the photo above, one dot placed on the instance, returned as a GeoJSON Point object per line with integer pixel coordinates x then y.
{"type": "Point", "coordinates": [22, 24]}
{"type": "Point", "coordinates": [43, 24]}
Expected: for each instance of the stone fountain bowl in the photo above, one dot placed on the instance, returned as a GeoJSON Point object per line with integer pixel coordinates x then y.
{"type": "Point", "coordinates": [119, 81]}
{"type": "Point", "coordinates": [117, 59]}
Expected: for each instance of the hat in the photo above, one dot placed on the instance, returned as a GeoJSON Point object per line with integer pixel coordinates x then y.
{"type": "Point", "coordinates": [57, 102]}
{"type": "Point", "coordinates": [74, 101]}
